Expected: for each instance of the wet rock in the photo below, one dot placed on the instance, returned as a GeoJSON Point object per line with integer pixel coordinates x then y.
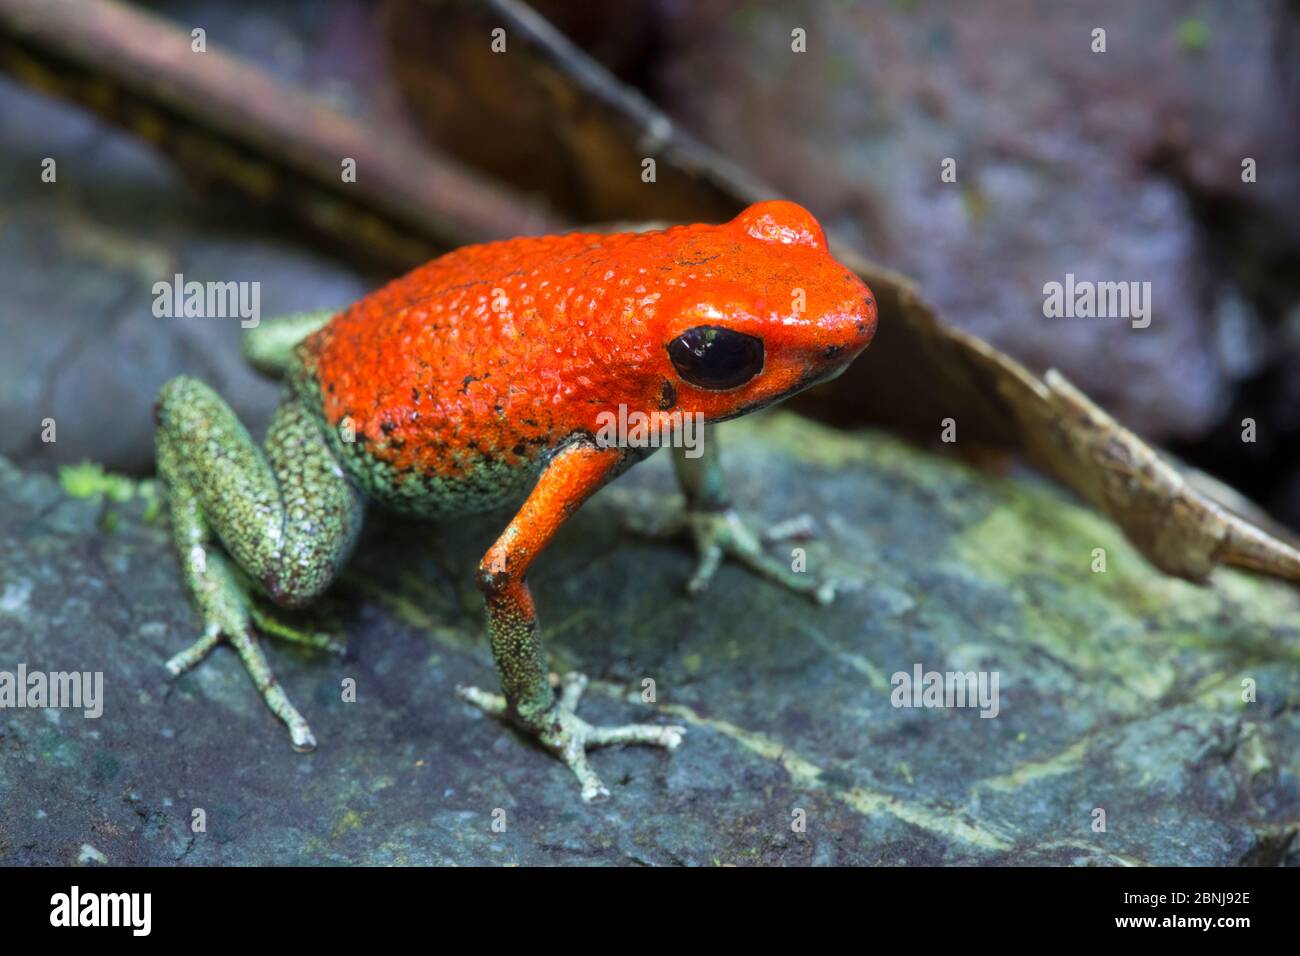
{"type": "Point", "coordinates": [1119, 691]}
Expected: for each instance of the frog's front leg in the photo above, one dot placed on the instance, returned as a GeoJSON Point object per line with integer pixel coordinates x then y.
{"type": "Point", "coordinates": [719, 531]}
{"type": "Point", "coordinates": [286, 518]}
{"type": "Point", "coordinates": [572, 476]}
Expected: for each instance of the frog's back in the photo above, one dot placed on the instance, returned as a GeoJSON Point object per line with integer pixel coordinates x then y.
{"type": "Point", "coordinates": [457, 379]}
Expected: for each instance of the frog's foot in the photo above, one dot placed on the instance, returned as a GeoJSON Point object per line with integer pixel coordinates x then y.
{"type": "Point", "coordinates": [228, 612]}
{"type": "Point", "coordinates": [561, 731]}
{"type": "Point", "coordinates": [723, 533]}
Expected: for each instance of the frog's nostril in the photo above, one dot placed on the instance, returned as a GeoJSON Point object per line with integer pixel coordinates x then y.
{"type": "Point", "coordinates": [866, 325]}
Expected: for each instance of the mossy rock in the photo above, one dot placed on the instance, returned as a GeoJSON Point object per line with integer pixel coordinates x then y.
{"type": "Point", "coordinates": [1120, 690]}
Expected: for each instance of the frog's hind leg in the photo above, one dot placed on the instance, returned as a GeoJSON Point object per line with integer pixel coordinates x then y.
{"type": "Point", "coordinates": [269, 345]}
{"type": "Point", "coordinates": [287, 519]}
{"type": "Point", "coordinates": [527, 699]}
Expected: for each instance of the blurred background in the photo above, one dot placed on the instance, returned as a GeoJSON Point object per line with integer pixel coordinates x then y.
{"type": "Point", "coordinates": [1121, 166]}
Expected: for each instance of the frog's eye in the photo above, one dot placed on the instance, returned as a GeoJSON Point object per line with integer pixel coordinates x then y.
{"type": "Point", "coordinates": [709, 356]}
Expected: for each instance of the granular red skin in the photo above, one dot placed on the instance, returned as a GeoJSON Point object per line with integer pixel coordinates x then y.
{"type": "Point", "coordinates": [502, 351]}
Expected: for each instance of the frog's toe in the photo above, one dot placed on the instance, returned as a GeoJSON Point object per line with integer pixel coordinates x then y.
{"type": "Point", "coordinates": [593, 791]}
{"type": "Point", "coordinates": [573, 751]}
{"type": "Point", "coordinates": [799, 528]}
{"type": "Point", "coordinates": [820, 590]}
{"type": "Point", "coordinates": [485, 701]}
{"type": "Point", "coordinates": [274, 624]}
{"type": "Point", "coordinates": [300, 736]}
{"type": "Point", "coordinates": [250, 652]}
{"type": "Point", "coordinates": [178, 664]}
{"type": "Point", "coordinates": [669, 737]}
{"type": "Point", "coordinates": [706, 567]}
{"type": "Point", "coordinates": [572, 686]}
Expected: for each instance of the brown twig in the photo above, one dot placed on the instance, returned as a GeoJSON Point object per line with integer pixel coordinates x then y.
{"type": "Point", "coordinates": [230, 121]}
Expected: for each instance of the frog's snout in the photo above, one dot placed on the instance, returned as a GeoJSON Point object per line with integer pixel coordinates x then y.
{"type": "Point", "coordinates": [852, 331]}
{"type": "Point", "coordinates": [864, 324]}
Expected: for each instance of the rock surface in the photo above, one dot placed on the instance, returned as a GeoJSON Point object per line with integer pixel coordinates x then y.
{"type": "Point", "coordinates": [1119, 690]}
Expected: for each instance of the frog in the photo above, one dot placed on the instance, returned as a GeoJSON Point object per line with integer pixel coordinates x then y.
{"type": "Point", "coordinates": [482, 380]}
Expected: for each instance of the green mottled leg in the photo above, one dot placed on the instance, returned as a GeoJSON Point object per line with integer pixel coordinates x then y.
{"type": "Point", "coordinates": [719, 531]}
{"type": "Point", "coordinates": [287, 520]}
{"type": "Point", "coordinates": [269, 623]}
{"type": "Point", "coordinates": [528, 701]}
